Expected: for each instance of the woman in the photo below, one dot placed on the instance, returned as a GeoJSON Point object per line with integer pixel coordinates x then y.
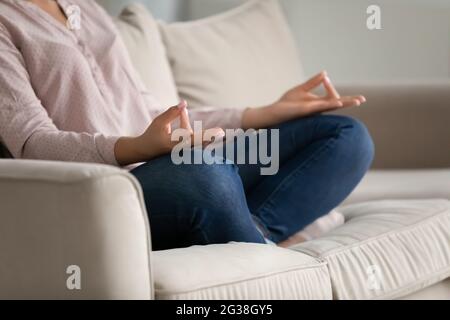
{"type": "Point", "coordinates": [70, 94]}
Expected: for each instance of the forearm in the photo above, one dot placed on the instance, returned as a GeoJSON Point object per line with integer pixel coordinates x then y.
{"type": "Point", "coordinates": [48, 143]}
{"type": "Point", "coordinates": [217, 117]}
{"type": "Point", "coordinates": [261, 118]}
{"type": "Point", "coordinates": [127, 151]}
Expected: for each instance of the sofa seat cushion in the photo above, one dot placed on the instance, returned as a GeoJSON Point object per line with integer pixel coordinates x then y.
{"type": "Point", "coordinates": [439, 291]}
{"type": "Point", "coordinates": [402, 184]}
{"type": "Point", "coordinates": [239, 271]}
{"type": "Point", "coordinates": [386, 249]}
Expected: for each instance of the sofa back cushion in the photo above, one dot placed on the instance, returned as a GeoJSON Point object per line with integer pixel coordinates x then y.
{"type": "Point", "coordinates": [4, 153]}
{"type": "Point", "coordinates": [240, 58]}
{"type": "Point", "coordinates": [140, 34]}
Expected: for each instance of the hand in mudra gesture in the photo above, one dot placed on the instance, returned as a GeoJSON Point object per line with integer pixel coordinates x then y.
{"type": "Point", "coordinates": [303, 101]}
{"type": "Point", "coordinates": [157, 140]}
{"type": "Point", "coordinates": [300, 102]}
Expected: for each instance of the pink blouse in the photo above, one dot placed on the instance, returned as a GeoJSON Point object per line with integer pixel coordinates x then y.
{"type": "Point", "coordinates": [69, 95]}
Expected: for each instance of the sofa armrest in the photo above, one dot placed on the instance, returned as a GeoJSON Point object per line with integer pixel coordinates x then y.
{"type": "Point", "coordinates": [410, 123]}
{"type": "Point", "coordinates": [57, 215]}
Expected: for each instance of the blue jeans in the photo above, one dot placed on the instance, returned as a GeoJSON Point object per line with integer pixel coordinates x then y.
{"type": "Point", "coordinates": [322, 159]}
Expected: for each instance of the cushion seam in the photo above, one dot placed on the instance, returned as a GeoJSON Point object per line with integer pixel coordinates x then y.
{"type": "Point", "coordinates": [265, 276]}
{"type": "Point", "coordinates": [320, 265]}
{"type": "Point", "coordinates": [391, 295]}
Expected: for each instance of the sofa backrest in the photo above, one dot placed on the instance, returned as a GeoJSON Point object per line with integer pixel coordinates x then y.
{"type": "Point", "coordinates": [139, 31]}
{"type": "Point", "coordinates": [247, 57]}
{"type": "Point", "coordinates": [243, 57]}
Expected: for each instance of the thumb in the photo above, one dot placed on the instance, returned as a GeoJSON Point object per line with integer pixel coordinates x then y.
{"type": "Point", "coordinates": [171, 114]}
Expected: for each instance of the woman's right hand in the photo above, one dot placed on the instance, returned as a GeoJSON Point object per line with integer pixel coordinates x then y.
{"type": "Point", "coordinates": [156, 141]}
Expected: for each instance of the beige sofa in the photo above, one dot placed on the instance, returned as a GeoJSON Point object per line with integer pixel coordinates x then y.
{"type": "Point", "coordinates": [395, 243]}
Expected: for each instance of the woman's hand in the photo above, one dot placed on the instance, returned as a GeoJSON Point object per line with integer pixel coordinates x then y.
{"type": "Point", "coordinates": [300, 102]}
{"type": "Point", "coordinates": [157, 139]}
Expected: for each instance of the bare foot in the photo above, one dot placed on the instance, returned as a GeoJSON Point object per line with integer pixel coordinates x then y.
{"type": "Point", "coordinates": [317, 229]}
{"type": "Point", "coordinates": [292, 241]}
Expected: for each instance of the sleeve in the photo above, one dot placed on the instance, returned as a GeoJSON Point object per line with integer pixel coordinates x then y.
{"type": "Point", "coordinates": [221, 118]}
{"type": "Point", "coordinates": [25, 127]}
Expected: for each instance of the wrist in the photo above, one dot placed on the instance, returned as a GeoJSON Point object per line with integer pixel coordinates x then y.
{"type": "Point", "coordinates": [258, 118]}
{"type": "Point", "coordinates": [129, 150]}
{"type": "Point", "coordinates": [246, 118]}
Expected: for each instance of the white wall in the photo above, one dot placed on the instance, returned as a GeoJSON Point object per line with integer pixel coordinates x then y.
{"type": "Point", "coordinates": [169, 10]}
{"type": "Point", "coordinates": [414, 42]}
{"type": "Point", "coordinates": [332, 35]}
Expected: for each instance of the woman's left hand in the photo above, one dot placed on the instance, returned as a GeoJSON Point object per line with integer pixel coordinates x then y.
{"type": "Point", "coordinates": [300, 102]}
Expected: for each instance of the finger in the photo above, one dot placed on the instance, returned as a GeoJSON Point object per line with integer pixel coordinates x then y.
{"type": "Point", "coordinates": [331, 90]}
{"type": "Point", "coordinates": [325, 105]}
{"type": "Point", "coordinates": [206, 137]}
{"type": "Point", "coordinates": [362, 99]}
{"type": "Point", "coordinates": [314, 82]}
{"type": "Point", "coordinates": [213, 135]}
{"type": "Point", "coordinates": [351, 101]}
{"type": "Point", "coordinates": [185, 122]}
{"type": "Point", "coordinates": [312, 96]}
{"type": "Point", "coordinates": [171, 114]}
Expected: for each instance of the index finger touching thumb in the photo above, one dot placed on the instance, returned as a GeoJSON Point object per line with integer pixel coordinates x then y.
{"type": "Point", "coordinates": [172, 113]}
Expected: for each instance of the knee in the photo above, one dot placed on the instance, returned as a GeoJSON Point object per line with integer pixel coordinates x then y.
{"type": "Point", "coordinates": [188, 185]}
{"type": "Point", "coordinates": [216, 187]}
{"type": "Point", "coordinates": [218, 206]}
{"type": "Point", "coordinates": [356, 141]}
{"type": "Point", "coordinates": [217, 199]}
